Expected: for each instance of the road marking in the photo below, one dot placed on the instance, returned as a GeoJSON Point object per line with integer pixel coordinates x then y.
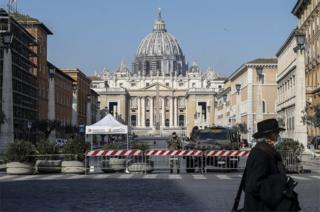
{"type": "Point", "coordinates": [70, 177]}
{"type": "Point", "coordinates": [8, 177]}
{"type": "Point", "coordinates": [317, 177]}
{"type": "Point", "coordinates": [150, 176]}
{"type": "Point", "coordinates": [52, 177]}
{"type": "Point", "coordinates": [175, 177]}
{"type": "Point", "coordinates": [300, 178]}
{"type": "Point", "coordinates": [125, 176]}
{"type": "Point", "coordinates": [26, 177]}
{"type": "Point", "coordinates": [199, 177]}
{"type": "Point", "coordinates": [223, 177]}
{"type": "Point", "coordinates": [100, 176]}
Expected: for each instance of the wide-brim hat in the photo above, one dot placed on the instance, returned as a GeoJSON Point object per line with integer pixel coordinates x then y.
{"type": "Point", "coordinates": [267, 126]}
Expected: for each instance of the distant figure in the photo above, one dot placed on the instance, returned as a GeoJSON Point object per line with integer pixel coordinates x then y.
{"type": "Point", "coordinates": [194, 132]}
{"type": "Point", "coordinates": [174, 143]}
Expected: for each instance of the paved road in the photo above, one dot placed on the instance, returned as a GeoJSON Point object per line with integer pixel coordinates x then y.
{"type": "Point", "coordinates": [126, 192]}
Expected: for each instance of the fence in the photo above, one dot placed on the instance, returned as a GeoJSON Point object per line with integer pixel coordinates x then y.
{"type": "Point", "coordinates": [291, 161]}
{"type": "Point", "coordinates": [164, 160]}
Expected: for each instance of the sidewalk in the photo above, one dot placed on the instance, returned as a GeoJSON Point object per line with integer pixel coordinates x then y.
{"type": "Point", "coordinates": [311, 162]}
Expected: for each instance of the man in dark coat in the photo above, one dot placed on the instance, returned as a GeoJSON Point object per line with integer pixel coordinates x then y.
{"type": "Point", "coordinates": [265, 180]}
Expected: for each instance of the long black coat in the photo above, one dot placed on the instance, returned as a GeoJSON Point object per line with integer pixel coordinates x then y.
{"type": "Point", "coordinates": [265, 179]}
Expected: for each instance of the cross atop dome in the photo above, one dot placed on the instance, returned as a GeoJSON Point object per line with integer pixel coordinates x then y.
{"type": "Point", "coordinates": [159, 25]}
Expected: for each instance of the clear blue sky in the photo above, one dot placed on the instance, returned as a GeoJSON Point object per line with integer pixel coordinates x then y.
{"type": "Point", "coordinates": [93, 34]}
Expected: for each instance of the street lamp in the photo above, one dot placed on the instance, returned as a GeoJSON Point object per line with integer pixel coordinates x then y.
{"type": "Point", "coordinates": [301, 40]}
{"type": "Point", "coordinates": [238, 87]}
{"type": "Point", "coordinates": [52, 72]}
{"type": "Point", "coordinates": [224, 97]}
{"type": "Point", "coordinates": [7, 38]}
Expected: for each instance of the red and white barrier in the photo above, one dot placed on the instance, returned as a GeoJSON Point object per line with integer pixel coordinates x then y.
{"type": "Point", "coordinates": [130, 152]}
{"type": "Point", "coordinates": [227, 153]}
{"type": "Point", "coordinates": [174, 152]}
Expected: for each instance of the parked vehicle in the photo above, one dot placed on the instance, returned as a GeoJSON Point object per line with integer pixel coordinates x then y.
{"type": "Point", "coordinates": [215, 138]}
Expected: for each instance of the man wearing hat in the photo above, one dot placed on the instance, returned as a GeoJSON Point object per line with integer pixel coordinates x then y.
{"type": "Point", "coordinates": [266, 186]}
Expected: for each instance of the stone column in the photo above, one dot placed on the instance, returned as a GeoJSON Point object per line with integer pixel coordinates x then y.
{"type": "Point", "coordinates": [250, 123]}
{"type": "Point", "coordinates": [175, 116]}
{"type": "Point", "coordinates": [7, 130]}
{"type": "Point", "coordinates": [163, 117]}
{"type": "Point", "coordinates": [300, 100]}
{"type": "Point", "coordinates": [52, 103]}
{"type": "Point", "coordinates": [139, 112]}
{"type": "Point", "coordinates": [89, 138]}
{"type": "Point", "coordinates": [259, 101]}
{"type": "Point", "coordinates": [171, 111]}
{"type": "Point", "coordinates": [151, 112]}
{"type": "Point", "coordinates": [75, 105]}
{"type": "Point", "coordinates": [143, 112]}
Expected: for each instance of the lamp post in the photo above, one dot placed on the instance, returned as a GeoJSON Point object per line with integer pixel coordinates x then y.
{"type": "Point", "coordinates": [52, 101]}
{"type": "Point", "coordinates": [74, 121]}
{"type": "Point", "coordinates": [300, 131]}
{"type": "Point", "coordinates": [7, 130]}
{"type": "Point", "coordinates": [259, 70]}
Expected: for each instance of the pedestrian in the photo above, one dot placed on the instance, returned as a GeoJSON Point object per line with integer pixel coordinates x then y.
{"type": "Point", "coordinates": [174, 143]}
{"type": "Point", "coordinates": [265, 184]}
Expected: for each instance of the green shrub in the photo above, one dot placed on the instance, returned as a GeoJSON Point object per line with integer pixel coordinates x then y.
{"type": "Point", "coordinates": [111, 146]}
{"type": "Point", "coordinates": [76, 147]}
{"type": "Point", "coordinates": [289, 144]}
{"type": "Point", "coordinates": [21, 151]}
{"type": "Point", "coordinates": [45, 147]}
{"type": "Point", "coordinates": [140, 146]}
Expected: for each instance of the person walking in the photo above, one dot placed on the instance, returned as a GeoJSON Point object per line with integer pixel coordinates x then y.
{"type": "Point", "coordinates": [174, 143]}
{"type": "Point", "coordinates": [265, 184]}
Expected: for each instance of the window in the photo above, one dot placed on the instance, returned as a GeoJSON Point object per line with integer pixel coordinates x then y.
{"type": "Point", "coordinates": [147, 84]}
{"type": "Point", "coordinates": [180, 84]}
{"type": "Point", "coordinates": [263, 106]}
{"type": "Point", "coordinates": [181, 120]}
{"type": "Point", "coordinates": [167, 123]}
{"type": "Point", "coordinates": [133, 84]}
{"type": "Point", "coordinates": [148, 123]}
{"type": "Point", "coordinates": [167, 84]}
{"type": "Point", "coordinates": [120, 84]}
{"type": "Point", "coordinates": [193, 84]}
{"type": "Point", "coordinates": [133, 120]}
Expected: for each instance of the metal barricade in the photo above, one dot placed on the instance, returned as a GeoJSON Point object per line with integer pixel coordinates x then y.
{"type": "Point", "coordinates": [225, 160]}
{"type": "Point", "coordinates": [291, 161]}
{"type": "Point", "coordinates": [174, 160]}
{"type": "Point", "coordinates": [109, 161]}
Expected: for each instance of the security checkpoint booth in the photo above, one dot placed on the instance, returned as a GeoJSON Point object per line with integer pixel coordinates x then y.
{"type": "Point", "coordinates": [107, 126]}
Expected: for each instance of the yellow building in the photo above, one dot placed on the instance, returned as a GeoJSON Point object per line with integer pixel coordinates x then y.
{"type": "Point", "coordinates": [253, 93]}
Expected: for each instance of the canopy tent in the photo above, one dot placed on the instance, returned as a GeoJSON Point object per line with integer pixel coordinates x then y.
{"type": "Point", "coordinates": [107, 126]}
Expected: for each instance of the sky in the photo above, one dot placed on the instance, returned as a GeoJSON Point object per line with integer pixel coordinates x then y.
{"type": "Point", "coordinates": [96, 34]}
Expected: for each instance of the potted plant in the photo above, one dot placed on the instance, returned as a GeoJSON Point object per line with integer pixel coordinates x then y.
{"type": "Point", "coordinates": [47, 151]}
{"type": "Point", "coordinates": [20, 157]}
{"type": "Point", "coordinates": [114, 164]}
{"type": "Point", "coordinates": [141, 163]}
{"type": "Point", "coordinates": [74, 151]}
{"type": "Point", "coordinates": [291, 152]}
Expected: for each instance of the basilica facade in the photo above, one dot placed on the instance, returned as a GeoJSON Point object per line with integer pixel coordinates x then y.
{"type": "Point", "coordinates": [162, 93]}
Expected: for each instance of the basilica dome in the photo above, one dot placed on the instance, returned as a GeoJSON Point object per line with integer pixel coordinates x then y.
{"type": "Point", "coordinates": [159, 42]}
{"type": "Point", "coordinates": [159, 53]}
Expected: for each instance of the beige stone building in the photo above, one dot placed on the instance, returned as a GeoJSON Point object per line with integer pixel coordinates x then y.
{"type": "Point", "coordinates": [291, 98]}
{"type": "Point", "coordinates": [253, 93]}
{"type": "Point", "coordinates": [161, 94]}
{"type": "Point", "coordinates": [81, 93]}
{"type": "Point", "coordinates": [307, 11]}
{"type": "Point", "coordinates": [222, 106]}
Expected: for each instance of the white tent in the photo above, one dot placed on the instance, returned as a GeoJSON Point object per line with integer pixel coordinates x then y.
{"type": "Point", "coordinates": [107, 125]}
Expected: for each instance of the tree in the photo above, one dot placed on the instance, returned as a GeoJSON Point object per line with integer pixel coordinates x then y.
{"type": "Point", "coordinates": [241, 128]}
{"type": "Point", "coordinates": [46, 127]}
{"type": "Point", "coordinates": [311, 116]}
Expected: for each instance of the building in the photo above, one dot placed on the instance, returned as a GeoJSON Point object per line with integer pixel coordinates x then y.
{"type": "Point", "coordinates": [307, 11]}
{"type": "Point", "coordinates": [253, 93]}
{"type": "Point", "coordinates": [222, 107]}
{"type": "Point", "coordinates": [82, 91]}
{"type": "Point", "coordinates": [40, 32]}
{"type": "Point", "coordinates": [161, 94]}
{"type": "Point", "coordinates": [291, 91]}
{"type": "Point", "coordinates": [63, 85]}
{"type": "Point", "coordinates": [24, 81]}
